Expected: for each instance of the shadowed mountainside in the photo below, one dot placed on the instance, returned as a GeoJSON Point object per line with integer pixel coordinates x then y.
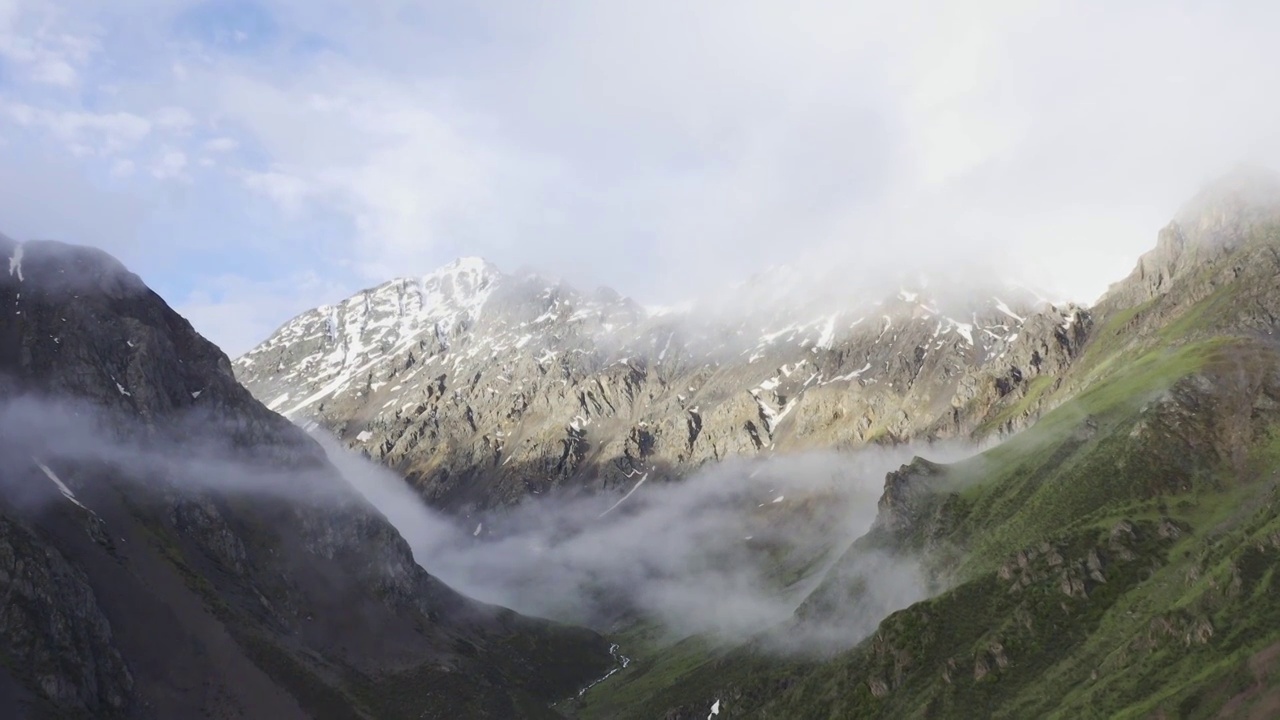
{"type": "Point", "coordinates": [171, 548]}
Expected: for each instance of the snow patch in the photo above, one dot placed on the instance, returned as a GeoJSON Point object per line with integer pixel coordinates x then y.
{"type": "Point", "coordinates": [850, 376]}
{"type": "Point", "coordinates": [15, 263]}
{"type": "Point", "coordinates": [624, 497]}
{"type": "Point", "coordinates": [663, 355]}
{"type": "Point", "coordinates": [772, 417]}
{"type": "Point", "coordinates": [62, 487]}
{"type": "Point", "coordinates": [1005, 309]}
{"type": "Point", "coordinates": [654, 311]}
{"type": "Point", "coordinates": [364, 436]}
{"type": "Point", "coordinates": [622, 660]}
{"type": "Point", "coordinates": [828, 334]}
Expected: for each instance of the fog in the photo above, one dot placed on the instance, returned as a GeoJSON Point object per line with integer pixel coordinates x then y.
{"type": "Point", "coordinates": [729, 552]}
{"type": "Point", "coordinates": [88, 448]}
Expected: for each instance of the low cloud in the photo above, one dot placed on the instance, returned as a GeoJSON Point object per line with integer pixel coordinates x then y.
{"type": "Point", "coordinates": [191, 454]}
{"type": "Point", "coordinates": [729, 552]}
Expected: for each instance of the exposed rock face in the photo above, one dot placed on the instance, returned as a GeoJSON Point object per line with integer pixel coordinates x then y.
{"type": "Point", "coordinates": [909, 495]}
{"type": "Point", "coordinates": [54, 628]}
{"type": "Point", "coordinates": [482, 388]}
{"type": "Point", "coordinates": [1225, 237]}
{"type": "Point", "coordinates": [171, 548]}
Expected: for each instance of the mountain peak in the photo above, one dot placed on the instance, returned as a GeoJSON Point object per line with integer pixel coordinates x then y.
{"type": "Point", "coordinates": [1247, 190]}
{"type": "Point", "coordinates": [1226, 215]}
{"type": "Point", "coordinates": [468, 263]}
{"type": "Point", "coordinates": [82, 324]}
{"type": "Point", "coordinates": [1227, 211]}
{"type": "Point", "coordinates": [467, 275]}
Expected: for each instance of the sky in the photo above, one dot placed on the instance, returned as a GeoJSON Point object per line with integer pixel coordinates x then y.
{"type": "Point", "coordinates": [252, 159]}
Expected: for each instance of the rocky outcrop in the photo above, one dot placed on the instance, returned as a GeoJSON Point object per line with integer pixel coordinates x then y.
{"type": "Point", "coordinates": [910, 495]}
{"type": "Point", "coordinates": [55, 630]}
{"type": "Point", "coordinates": [1222, 246]}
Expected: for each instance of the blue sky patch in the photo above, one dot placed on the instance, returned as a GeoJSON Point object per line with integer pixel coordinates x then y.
{"type": "Point", "coordinates": [230, 25]}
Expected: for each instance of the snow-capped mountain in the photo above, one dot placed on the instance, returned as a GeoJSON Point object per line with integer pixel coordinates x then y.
{"type": "Point", "coordinates": [482, 386]}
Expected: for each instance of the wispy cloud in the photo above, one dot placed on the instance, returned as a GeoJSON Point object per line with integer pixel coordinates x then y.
{"type": "Point", "coordinates": [33, 40]}
{"type": "Point", "coordinates": [221, 144]}
{"type": "Point", "coordinates": [171, 165]}
{"type": "Point", "coordinates": [84, 133]}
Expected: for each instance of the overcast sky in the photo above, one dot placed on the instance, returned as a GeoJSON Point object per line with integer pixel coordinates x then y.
{"type": "Point", "coordinates": [254, 158]}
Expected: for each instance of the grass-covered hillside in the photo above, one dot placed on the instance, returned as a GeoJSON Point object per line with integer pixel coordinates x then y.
{"type": "Point", "coordinates": [1116, 559]}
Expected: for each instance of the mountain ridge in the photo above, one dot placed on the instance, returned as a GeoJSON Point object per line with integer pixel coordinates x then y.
{"type": "Point", "coordinates": [619, 391]}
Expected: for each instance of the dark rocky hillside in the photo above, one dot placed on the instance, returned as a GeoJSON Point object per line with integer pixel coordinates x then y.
{"type": "Point", "coordinates": [171, 548]}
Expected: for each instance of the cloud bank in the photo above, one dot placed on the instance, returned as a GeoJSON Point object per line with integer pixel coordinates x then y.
{"type": "Point", "coordinates": [660, 148]}
{"type": "Point", "coordinates": [729, 552]}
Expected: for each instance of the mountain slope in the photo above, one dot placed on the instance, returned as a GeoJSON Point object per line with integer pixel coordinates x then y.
{"type": "Point", "coordinates": [483, 388]}
{"type": "Point", "coordinates": [171, 548]}
{"type": "Point", "coordinates": [1114, 560]}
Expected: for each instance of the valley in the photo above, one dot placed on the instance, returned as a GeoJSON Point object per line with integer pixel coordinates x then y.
{"type": "Point", "coordinates": [1034, 509]}
{"type": "Point", "coordinates": [1096, 551]}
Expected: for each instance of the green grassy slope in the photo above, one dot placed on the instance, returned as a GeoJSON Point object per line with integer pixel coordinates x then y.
{"type": "Point", "coordinates": [1117, 559]}
{"type": "Point", "coordinates": [1125, 570]}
